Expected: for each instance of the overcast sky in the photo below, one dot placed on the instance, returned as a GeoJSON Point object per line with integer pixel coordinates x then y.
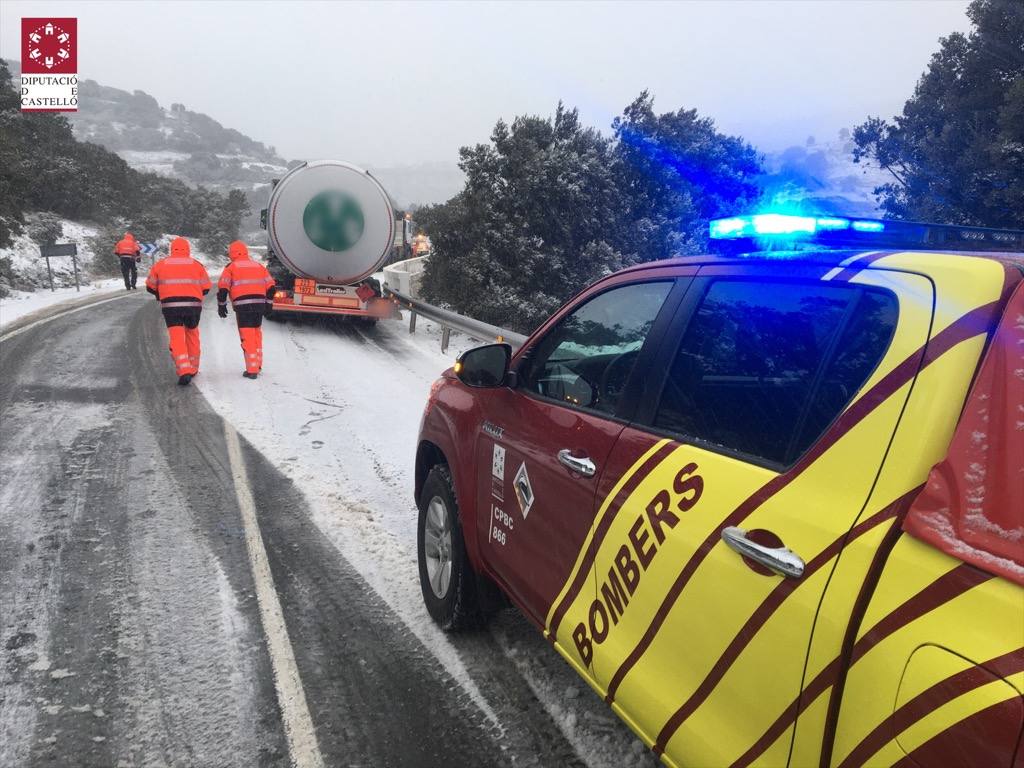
{"type": "Point", "coordinates": [388, 83]}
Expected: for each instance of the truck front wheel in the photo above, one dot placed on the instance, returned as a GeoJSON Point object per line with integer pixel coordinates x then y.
{"type": "Point", "coordinates": [447, 579]}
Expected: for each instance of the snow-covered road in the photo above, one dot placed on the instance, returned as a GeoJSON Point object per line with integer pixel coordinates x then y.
{"type": "Point", "coordinates": [337, 410]}
{"type": "Point", "coordinates": [124, 584]}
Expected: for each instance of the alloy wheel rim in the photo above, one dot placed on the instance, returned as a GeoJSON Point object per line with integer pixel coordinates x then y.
{"type": "Point", "coordinates": [437, 546]}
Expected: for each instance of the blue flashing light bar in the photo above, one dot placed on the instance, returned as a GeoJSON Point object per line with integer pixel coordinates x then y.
{"type": "Point", "coordinates": [868, 226]}
{"type": "Point", "coordinates": [770, 231]}
{"type": "Point", "coordinates": [832, 223]}
{"type": "Point", "coordinates": [737, 226]}
{"type": "Point", "coordinates": [773, 224]}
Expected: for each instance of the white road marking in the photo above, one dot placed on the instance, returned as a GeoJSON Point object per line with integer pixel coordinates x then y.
{"type": "Point", "coordinates": [298, 725]}
{"type": "Point", "coordinates": [30, 326]}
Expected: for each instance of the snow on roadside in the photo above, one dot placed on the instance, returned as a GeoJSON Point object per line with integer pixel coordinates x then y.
{"type": "Point", "coordinates": [337, 410]}
{"type": "Point", "coordinates": [25, 259]}
{"type": "Point", "coordinates": [26, 262]}
{"type": "Point", "coordinates": [21, 303]}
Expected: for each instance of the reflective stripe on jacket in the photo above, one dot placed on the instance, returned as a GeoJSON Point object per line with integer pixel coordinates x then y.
{"type": "Point", "coordinates": [245, 278]}
{"type": "Point", "coordinates": [179, 277]}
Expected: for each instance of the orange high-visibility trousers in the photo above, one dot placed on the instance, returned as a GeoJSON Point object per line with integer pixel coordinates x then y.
{"type": "Point", "coordinates": [252, 348]}
{"type": "Point", "coordinates": [185, 349]}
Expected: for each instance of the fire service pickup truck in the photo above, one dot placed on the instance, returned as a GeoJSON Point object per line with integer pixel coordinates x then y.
{"type": "Point", "coordinates": [769, 504]}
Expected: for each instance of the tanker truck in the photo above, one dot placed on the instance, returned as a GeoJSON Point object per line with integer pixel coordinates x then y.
{"type": "Point", "coordinates": [330, 226]}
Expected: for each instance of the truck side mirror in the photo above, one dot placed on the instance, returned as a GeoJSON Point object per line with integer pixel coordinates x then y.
{"type": "Point", "coordinates": [485, 366]}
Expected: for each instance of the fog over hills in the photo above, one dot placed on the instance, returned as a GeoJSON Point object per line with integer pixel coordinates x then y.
{"type": "Point", "coordinates": [193, 147]}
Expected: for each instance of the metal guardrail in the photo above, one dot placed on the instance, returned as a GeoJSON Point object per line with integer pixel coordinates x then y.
{"type": "Point", "coordinates": [452, 321]}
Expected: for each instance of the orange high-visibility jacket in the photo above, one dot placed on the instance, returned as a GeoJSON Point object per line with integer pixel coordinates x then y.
{"type": "Point", "coordinates": [127, 246]}
{"type": "Point", "coordinates": [247, 282]}
{"type": "Point", "coordinates": [179, 280]}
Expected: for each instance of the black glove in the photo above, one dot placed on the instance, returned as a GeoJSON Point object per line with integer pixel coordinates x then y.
{"type": "Point", "coordinates": [222, 310]}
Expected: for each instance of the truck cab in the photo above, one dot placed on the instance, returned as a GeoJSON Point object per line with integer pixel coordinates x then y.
{"type": "Point", "coordinates": [769, 505]}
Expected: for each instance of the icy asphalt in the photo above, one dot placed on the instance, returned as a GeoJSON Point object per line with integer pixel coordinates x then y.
{"type": "Point", "coordinates": [129, 629]}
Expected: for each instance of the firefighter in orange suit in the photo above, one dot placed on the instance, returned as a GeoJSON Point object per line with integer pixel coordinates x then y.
{"type": "Point", "coordinates": [251, 289]}
{"type": "Point", "coordinates": [180, 282]}
{"type": "Point", "coordinates": [128, 250]}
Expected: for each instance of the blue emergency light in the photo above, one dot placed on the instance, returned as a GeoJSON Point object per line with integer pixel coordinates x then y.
{"type": "Point", "coordinates": [769, 224]}
{"type": "Point", "coordinates": [768, 231]}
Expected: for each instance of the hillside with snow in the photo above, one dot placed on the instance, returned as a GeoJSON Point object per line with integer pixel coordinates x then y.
{"type": "Point", "coordinates": [172, 141]}
{"type": "Point", "coordinates": [196, 149]}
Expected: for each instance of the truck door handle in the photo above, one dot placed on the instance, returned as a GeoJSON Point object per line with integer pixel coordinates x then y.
{"type": "Point", "coordinates": [780, 560]}
{"type": "Point", "coordinates": [583, 466]}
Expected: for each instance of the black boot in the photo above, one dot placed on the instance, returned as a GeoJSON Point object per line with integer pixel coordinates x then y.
{"type": "Point", "coordinates": [250, 375]}
{"type": "Point", "coordinates": [184, 379]}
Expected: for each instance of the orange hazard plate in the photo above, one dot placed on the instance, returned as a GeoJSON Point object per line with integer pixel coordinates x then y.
{"type": "Point", "coordinates": [329, 301]}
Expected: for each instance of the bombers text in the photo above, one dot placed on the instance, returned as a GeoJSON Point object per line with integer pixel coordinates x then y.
{"type": "Point", "coordinates": [634, 557]}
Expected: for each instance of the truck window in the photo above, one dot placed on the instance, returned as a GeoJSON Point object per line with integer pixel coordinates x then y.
{"type": "Point", "coordinates": [586, 359]}
{"type": "Point", "coordinates": [764, 367]}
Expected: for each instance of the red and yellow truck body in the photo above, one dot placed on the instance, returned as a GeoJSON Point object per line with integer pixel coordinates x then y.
{"type": "Point", "coordinates": [900, 644]}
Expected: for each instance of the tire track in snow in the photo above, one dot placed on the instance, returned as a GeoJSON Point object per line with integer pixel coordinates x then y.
{"type": "Point", "coordinates": [357, 515]}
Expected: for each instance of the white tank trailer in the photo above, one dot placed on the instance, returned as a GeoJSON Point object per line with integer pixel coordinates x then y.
{"type": "Point", "coordinates": [330, 225]}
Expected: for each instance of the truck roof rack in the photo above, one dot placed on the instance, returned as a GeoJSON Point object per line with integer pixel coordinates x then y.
{"type": "Point", "coordinates": [769, 231]}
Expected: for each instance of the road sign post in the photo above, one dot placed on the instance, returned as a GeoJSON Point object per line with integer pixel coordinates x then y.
{"type": "Point", "coordinates": [148, 249]}
{"type": "Point", "coordinates": [60, 249]}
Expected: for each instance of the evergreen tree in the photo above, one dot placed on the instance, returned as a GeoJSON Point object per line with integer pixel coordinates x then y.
{"type": "Point", "coordinates": [956, 153]}
{"type": "Point", "coordinates": [534, 221]}
{"type": "Point", "coordinates": [675, 172]}
{"type": "Point", "coordinates": [549, 206]}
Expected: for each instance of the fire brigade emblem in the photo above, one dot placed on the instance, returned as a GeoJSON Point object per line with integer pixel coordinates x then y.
{"type": "Point", "coordinates": [50, 46]}
{"type": "Point", "coordinates": [333, 220]}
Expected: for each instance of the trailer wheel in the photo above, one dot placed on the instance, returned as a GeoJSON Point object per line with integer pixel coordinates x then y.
{"type": "Point", "coordinates": [447, 579]}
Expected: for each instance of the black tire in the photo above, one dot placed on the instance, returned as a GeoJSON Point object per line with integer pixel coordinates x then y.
{"type": "Point", "coordinates": [458, 606]}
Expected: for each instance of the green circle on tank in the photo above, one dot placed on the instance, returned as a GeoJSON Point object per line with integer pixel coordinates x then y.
{"type": "Point", "coordinates": [333, 220]}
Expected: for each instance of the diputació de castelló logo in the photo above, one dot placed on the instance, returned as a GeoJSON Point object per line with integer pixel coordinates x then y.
{"type": "Point", "coordinates": [49, 65]}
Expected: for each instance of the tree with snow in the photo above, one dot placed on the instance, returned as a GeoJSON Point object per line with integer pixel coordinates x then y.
{"type": "Point", "coordinates": [956, 153]}
{"type": "Point", "coordinates": [675, 172]}
{"type": "Point", "coordinates": [534, 222]}
{"type": "Point", "coordinates": [550, 205]}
